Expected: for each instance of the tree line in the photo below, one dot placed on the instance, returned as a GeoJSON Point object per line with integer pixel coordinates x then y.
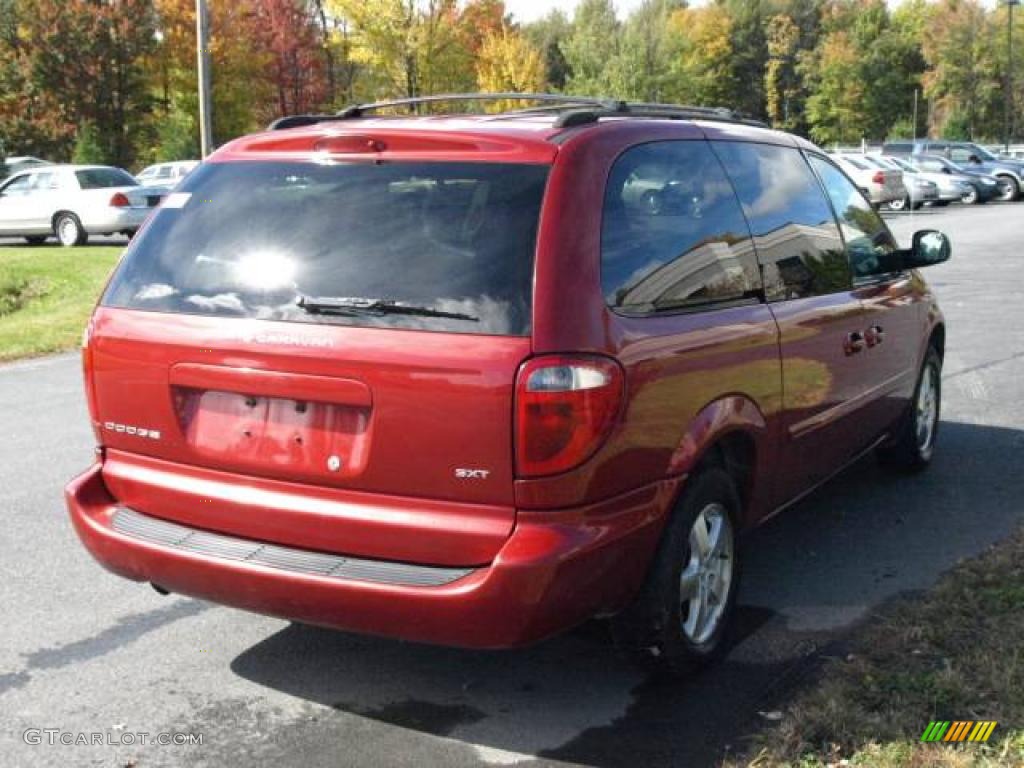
{"type": "Point", "coordinates": [114, 80]}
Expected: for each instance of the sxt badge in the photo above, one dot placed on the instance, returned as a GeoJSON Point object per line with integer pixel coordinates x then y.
{"type": "Point", "coordinates": [472, 474]}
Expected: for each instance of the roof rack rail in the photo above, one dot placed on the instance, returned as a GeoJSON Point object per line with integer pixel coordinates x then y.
{"type": "Point", "coordinates": [671, 111]}
{"type": "Point", "coordinates": [575, 110]}
{"type": "Point", "coordinates": [357, 110]}
{"type": "Point", "coordinates": [553, 100]}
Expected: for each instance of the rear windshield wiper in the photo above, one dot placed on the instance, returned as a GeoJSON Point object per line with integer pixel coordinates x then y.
{"type": "Point", "coordinates": [357, 306]}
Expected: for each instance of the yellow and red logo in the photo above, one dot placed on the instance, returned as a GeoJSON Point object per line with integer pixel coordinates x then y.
{"type": "Point", "coordinates": [959, 730]}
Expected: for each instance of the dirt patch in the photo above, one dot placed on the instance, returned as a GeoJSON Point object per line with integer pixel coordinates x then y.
{"type": "Point", "coordinates": [953, 653]}
{"type": "Point", "coordinates": [16, 292]}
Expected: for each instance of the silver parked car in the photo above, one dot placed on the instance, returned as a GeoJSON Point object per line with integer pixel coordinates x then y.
{"type": "Point", "coordinates": [167, 175]}
{"type": "Point", "coordinates": [952, 188]}
{"type": "Point", "coordinates": [73, 202]}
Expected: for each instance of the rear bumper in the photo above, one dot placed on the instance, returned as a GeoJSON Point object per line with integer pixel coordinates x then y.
{"type": "Point", "coordinates": [555, 570]}
{"type": "Point", "coordinates": [111, 219]}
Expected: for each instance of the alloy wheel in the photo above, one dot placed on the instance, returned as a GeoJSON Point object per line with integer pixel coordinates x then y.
{"type": "Point", "coordinates": [707, 574]}
{"type": "Point", "coordinates": [899, 205]}
{"type": "Point", "coordinates": [927, 410]}
{"type": "Point", "coordinates": [67, 231]}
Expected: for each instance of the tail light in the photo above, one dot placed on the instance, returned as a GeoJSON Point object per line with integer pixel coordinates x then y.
{"type": "Point", "coordinates": [90, 390]}
{"type": "Point", "coordinates": [878, 178]}
{"type": "Point", "coordinates": [120, 200]}
{"type": "Point", "coordinates": [565, 408]}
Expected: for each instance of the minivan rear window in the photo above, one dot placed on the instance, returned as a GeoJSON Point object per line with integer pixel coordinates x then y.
{"type": "Point", "coordinates": [432, 246]}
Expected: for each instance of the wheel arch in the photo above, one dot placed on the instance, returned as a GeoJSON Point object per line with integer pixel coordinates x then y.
{"type": "Point", "coordinates": [58, 213]}
{"type": "Point", "coordinates": [730, 432]}
{"type": "Point", "coordinates": [937, 339]}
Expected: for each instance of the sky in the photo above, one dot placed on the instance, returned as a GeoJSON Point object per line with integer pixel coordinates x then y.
{"type": "Point", "coordinates": [530, 10]}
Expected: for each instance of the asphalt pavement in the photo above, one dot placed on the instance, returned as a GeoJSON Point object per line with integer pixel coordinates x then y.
{"type": "Point", "coordinates": [84, 652]}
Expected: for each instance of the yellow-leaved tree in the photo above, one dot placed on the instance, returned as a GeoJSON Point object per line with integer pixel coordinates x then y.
{"type": "Point", "coordinates": [508, 62]}
{"type": "Point", "coordinates": [407, 47]}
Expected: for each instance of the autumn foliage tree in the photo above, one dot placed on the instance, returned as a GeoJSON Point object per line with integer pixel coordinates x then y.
{"type": "Point", "coordinates": [116, 79]}
{"type": "Point", "coordinates": [75, 65]}
{"type": "Point", "coordinates": [289, 36]}
{"type": "Point", "coordinates": [508, 62]}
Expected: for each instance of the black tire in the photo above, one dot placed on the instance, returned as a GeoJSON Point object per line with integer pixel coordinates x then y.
{"type": "Point", "coordinates": [972, 197]}
{"type": "Point", "coordinates": [653, 628]}
{"type": "Point", "coordinates": [899, 205]}
{"type": "Point", "coordinates": [69, 230]}
{"type": "Point", "coordinates": [35, 239]}
{"type": "Point", "coordinates": [917, 206]}
{"type": "Point", "coordinates": [1010, 189]}
{"type": "Point", "coordinates": [913, 442]}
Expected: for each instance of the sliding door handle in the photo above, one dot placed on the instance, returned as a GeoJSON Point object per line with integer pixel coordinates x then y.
{"type": "Point", "coordinates": [854, 343]}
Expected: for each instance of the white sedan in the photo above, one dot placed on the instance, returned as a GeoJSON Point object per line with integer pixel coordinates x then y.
{"type": "Point", "coordinates": [73, 202]}
{"type": "Point", "coordinates": [166, 175]}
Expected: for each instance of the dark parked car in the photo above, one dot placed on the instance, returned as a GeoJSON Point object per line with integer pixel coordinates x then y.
{"type": "Point", "coordinates": [475, 380]}
{"type": "Point", "coordinates": [967, 156]}
{"type": "Point", "coordinates": [983, 187]}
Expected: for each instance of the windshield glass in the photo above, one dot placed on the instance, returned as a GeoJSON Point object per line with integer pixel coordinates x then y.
{"type": "Point", "coordinates": [101, 178]}
{"type": "Point", "coordinates": [255, 239]}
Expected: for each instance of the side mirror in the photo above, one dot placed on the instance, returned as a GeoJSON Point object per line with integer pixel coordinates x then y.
{"type": "Point", "coordinates": [946, 170]}
{"type": "Point", "coordinates": [929, 247]}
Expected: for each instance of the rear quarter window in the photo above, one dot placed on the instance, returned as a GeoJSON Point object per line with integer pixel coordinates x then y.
{"type": "Point", "coordinates": [259, 239]}
{"type": "Point", "coordinates": [103, 178]}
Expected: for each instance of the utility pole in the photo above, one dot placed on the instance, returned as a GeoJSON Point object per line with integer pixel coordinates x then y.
{"type": "Point", "coordinates": [1008, 100]}
{"type": "Point", "coordinates": [203, 59]}
{"type": "Point", "coordinates": [914, 133]}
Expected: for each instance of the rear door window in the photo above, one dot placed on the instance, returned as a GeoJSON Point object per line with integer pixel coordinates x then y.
{"type": "Point", "coordinates": [673, 235]}
{"type": "Point", "coordinates": [797, 240]}
{"type": "Point", "coordinates": [961, 154]}
{"type": "Point", "coordinates": [44, 181]}
{"type": "Point", "coordinates": [433, 246]}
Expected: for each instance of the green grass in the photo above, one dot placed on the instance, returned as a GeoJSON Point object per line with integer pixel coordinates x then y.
{"type": "Point", "coordinates": [955, 653]}
{"type": "Point", "coordinates": [46, 295]}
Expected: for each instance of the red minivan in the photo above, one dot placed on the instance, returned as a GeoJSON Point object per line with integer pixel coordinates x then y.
{"type": "Point", "coordinates": [475, 379]}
